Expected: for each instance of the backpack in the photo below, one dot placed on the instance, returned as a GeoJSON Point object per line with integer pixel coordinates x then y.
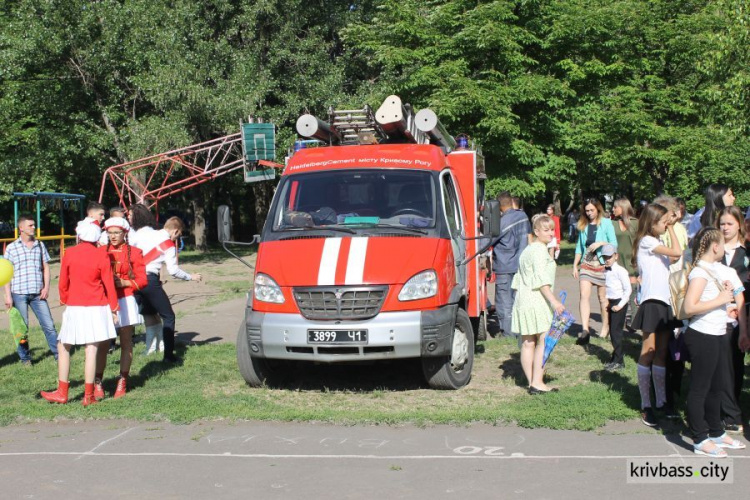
{"type": "Point", "coordinates": [678, 283]}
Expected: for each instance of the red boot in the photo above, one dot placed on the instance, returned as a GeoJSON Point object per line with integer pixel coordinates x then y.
{"type": "Point", "coordinates": [60, 395]}
{"type": "Point", "coordinates": [88, 395]}
{"type": "Point", "coordinates": [122, 387]}
{"type": "Point", "coordinates": [98, 389]}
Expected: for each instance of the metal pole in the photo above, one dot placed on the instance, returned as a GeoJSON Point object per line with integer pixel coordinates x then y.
{"type": "Point", "coordinates": [15, 217]}
{"type": "Point", "coordinates": [38, 218]}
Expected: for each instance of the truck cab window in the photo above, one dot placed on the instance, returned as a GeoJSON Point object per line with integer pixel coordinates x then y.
{"type": "Point", "coordinates": [450, 205]}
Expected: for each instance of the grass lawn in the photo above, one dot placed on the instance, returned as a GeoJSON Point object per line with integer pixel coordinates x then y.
{"type": "Point", "coordinates": [208, 386]}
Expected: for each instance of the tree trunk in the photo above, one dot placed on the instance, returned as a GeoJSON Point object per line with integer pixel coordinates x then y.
{"type": "Point", "coordinates": [556, 201]}
{"type": "Point", "coordinates": [263, 192]}
{"type": "Point", "coordinates": [199, 223]}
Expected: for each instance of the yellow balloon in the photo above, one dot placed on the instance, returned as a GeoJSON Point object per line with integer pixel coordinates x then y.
{"type": "Point", "coordinates": [6, 271]}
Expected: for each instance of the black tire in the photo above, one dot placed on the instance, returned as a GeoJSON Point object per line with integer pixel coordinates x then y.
{"type": "Point", "coordinates": [257, 372]}
{"type": "Point", "coordinates": [480, 327]}
{"type": "Point", "coordinates": [453, 372]}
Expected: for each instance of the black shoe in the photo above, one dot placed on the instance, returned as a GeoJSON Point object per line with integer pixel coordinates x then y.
{"type": "Point", "coordinates": [584, 341]}
{"type": "Point", "coordinates": [669, 412]}
{"type": "Point", "coordinates": [614, 367]}
{"type": "Point", "coordinates": [534, 391]}
{"type": "Point", "coordinates": [171, 358]}
{"type": "Point", "coordinates": [734, 428]}
{"type": "Point", "coordinates": [648, 417]}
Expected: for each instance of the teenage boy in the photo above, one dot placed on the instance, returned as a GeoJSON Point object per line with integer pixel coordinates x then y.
{"type": "Point", "coordinates": [618, 293]}
{"type": "Point", "coordinates": [30, 283]}
{"type": "Point", "coordinates": [158, 247]}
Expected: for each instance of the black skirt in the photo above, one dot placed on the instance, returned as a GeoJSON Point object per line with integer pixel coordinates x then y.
{"type": "Point", "coordinates": [655, 316]}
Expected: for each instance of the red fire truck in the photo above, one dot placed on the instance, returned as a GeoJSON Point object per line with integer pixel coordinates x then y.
{"type": "Point", "coordinates": [373, 249]}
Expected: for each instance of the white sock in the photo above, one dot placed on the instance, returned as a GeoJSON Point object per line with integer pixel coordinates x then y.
{"type": "Point", "coordinates": [659, 373]}
{"type": "Point", "coordinates": [153, 333]}
{"type": "Point", "coordinates": [644, 385]}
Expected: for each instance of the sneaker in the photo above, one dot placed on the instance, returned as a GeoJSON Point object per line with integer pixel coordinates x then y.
{"type": "Point", "coordinates": [669, 412]}
{"type": "Point", "coordinates": [734, 428]}
{"type": "Point", "coordinates": [614, 367]}
{"type": "Point", "coordinates": [26, 362]}
{"type": "Point", "coordinates": [648, 417]}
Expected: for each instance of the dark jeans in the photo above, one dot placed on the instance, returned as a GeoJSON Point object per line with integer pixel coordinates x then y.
{"type": "Point", "coordinates": [734, 371]}
{"type": "Point", "coordinates": [22, 301]}
{"type": "Point", "coordinates": [504, 297]}
{"type": "Point", "coordinates": [153, 300]}
{"type": "Point", "coordinates": [616, 327]}
{"type": "Point", "coordinates": [706, 383]}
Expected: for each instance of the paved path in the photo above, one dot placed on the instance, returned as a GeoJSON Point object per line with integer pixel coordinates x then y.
{"type": "Point", "coordinates": [120, 459]}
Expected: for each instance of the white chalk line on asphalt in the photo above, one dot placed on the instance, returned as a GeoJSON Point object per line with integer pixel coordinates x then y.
{"type": "Point", "coordinates": [92, 450]}
{"type": "Point", "coordinates": [360, 457]}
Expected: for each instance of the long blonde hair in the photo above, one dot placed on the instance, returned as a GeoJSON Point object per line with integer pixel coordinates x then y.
{"type": "Point", "coordinates": [705, 237]}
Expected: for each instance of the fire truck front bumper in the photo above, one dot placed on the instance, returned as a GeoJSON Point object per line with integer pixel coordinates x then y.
{"type": "Point", "coordinates": [389, 335]}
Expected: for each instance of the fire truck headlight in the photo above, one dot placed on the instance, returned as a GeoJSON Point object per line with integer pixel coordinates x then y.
{"type": "Point", "coordinates": [420, 286]}
{"type": "Point", "coordinates": [266, 290]}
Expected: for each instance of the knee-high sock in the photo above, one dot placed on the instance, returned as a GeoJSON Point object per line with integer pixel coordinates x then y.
{"type": "Point", "coordinates": [644, 385]}
{"type": "Point", "coordinates": [659, 373]}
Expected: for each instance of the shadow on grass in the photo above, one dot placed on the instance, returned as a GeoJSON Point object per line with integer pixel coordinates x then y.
{"type": "Point", "coordinates": [139, 379]}
{"type": "Point", "coordinates": [511, 368]}
{"type": "Point", "coordinates": [395, 375]}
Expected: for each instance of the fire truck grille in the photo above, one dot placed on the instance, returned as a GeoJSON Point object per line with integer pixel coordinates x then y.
{"type": "Point", "coordinates": [332, 302]}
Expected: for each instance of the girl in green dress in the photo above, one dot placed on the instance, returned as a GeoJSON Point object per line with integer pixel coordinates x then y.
{"type": "Point", "coordinates": [535, 302]}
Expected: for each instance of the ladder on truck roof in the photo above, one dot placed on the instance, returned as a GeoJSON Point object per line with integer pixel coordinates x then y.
{"type": "Point", "coordinates": [151, 179]}
{"type": "Point", "coordinates": [393, 122]}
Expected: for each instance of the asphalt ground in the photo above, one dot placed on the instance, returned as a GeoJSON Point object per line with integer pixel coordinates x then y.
{"type": "Point", "coordinates": [120, 459]}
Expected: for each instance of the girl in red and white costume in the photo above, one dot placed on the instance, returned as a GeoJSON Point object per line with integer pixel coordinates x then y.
{"type": "Point", "coordinates": [129, 276]}
{"type": "Point", "coordinates": [87, 289]}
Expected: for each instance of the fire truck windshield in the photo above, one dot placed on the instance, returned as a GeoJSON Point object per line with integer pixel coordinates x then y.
{"type": "Point", "coordinates": [343, 199]}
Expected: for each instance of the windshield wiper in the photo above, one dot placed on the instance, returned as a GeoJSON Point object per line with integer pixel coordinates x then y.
{"type": "Point", "coordinates": [402, 228]}
{"type": "Point", "coordinates": [320, 228]}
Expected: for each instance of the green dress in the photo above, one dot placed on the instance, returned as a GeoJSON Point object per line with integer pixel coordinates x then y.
{"type": "Point", "coordinates": [625, 244]}
{"type": "Point", "coordinates": [532, 313]}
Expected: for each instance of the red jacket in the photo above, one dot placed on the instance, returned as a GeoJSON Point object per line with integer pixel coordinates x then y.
{"type": "Point", "coordinates": [118, 258]}
{"type": "Point", "coordinates": [86, 277]}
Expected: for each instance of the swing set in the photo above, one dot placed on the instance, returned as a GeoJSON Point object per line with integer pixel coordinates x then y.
{"type": "Point", "coordinates": [39, 200]}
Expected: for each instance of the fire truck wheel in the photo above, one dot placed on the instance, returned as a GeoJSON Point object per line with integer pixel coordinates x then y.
{"type": "Point", "coordinates": [454, 371]}
{"type": "Point", "coordinates": [480, 327]}
{"type": "Point", "coordinates": [256, 371]}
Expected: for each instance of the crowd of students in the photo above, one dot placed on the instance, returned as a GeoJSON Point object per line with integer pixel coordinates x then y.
{"type": "Point", "coordinates": [109, 282]}
{"type": "Point", "coordinates": [629, 258]}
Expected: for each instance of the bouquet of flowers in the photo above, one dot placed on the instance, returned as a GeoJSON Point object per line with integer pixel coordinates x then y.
{"type": "Point", "coordinates": [560, 324]}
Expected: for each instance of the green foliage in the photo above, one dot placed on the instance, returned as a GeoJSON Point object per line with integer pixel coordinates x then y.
{"type": "Point", "coordinates": [624, 97]}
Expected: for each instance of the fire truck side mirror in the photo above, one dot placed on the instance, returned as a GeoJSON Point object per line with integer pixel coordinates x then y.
{"type": "Point", "coordinates": [491, 216]}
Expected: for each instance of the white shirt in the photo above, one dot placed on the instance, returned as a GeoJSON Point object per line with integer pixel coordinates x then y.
{"type": "Point", "coordinates": [713, 322]}
{"type": "Point", "coordinates": [726, 273]}
{"type": "Point", "coordinates": [618, 284]}
{"type": "Point", "coordinates": [654, 271]}
{"type": "Point", "coordinates": [148, 238]}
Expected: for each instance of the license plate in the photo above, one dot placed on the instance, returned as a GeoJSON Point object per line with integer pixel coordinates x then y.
{"type": "Point", "coordinates": [336, 336]}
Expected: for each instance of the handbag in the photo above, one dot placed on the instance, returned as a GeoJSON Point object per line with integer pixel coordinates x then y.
{"type": "Point", "coordinates": [678, 283]}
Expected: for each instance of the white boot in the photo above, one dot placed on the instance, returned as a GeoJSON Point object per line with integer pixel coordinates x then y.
{"type": "Point", "coordinates": [153, 333]}
{"type": "Point", "coordinates": [160, 340]}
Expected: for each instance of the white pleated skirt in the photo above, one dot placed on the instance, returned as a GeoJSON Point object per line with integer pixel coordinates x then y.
{"type": "Point", "coordinates": [86, 325]}
{"type": "Point", "coordinates": [128, 314]}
